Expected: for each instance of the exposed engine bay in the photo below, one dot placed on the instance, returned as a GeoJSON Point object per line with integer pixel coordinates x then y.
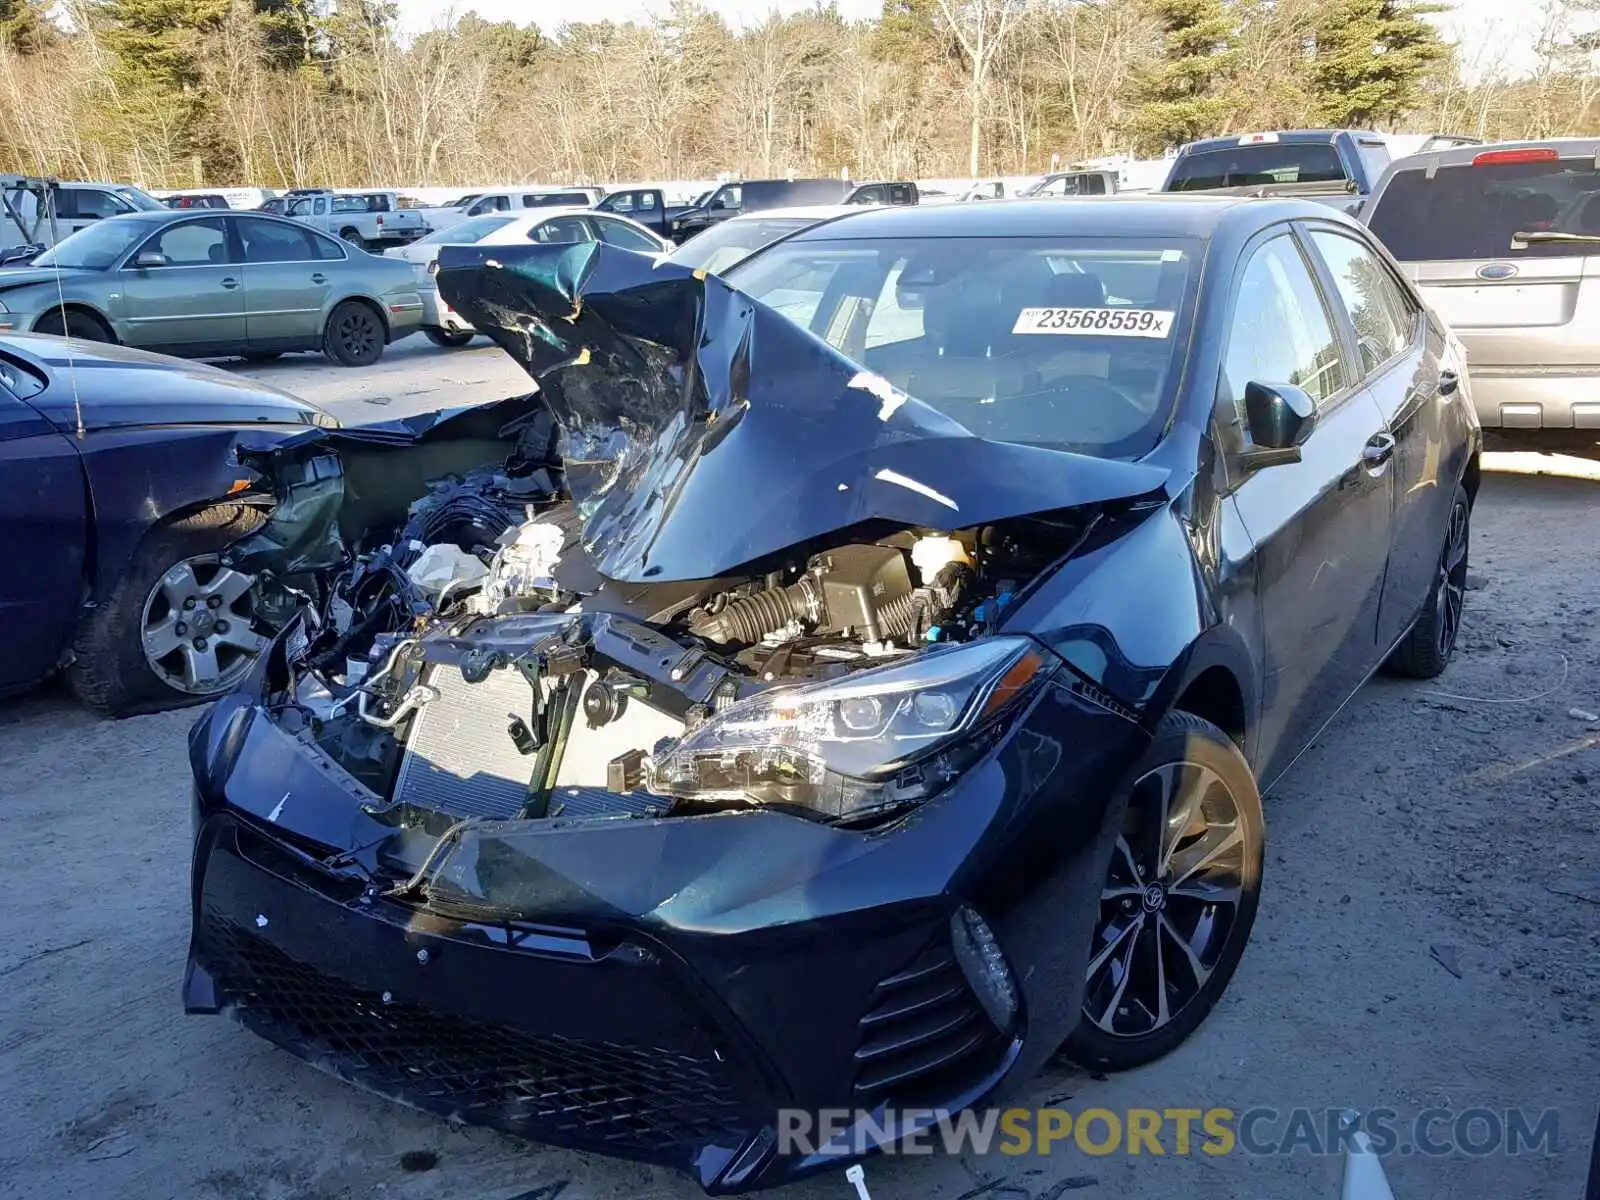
{"type": "Point", "coordinates": [666, 582]}
{"type": "Point", "coordinates": [472, 672]}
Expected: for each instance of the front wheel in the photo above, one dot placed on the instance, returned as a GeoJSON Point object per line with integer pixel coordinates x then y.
{"type": "Point", "coordinates": [354, 336]}
{"type": "Point", "coordinates": [1178, 901]}
{"type": "Point", "coordinates": [449, 338]}
{"type": "Point", "coordinates": [70, 322]}
{"type": "Point", "coordinates": [178, 627]}
{"type": "Point", "coordinates": [1427, 648]}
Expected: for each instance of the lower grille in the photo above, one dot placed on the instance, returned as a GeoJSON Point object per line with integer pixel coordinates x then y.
{"type": "Point", "coordinates": [545, 1087]}
{"type": "Point", "coordinates": [924, 1035]}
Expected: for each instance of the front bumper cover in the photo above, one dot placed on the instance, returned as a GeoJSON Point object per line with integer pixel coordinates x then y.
{"type": "Point", "coordinates": [655, 989]}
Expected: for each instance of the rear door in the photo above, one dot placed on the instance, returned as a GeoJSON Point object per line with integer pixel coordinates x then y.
{"type": "Point", "coordinates": [43, 532]}
{"type": "Point", "coordinates": [287, 273]}
{"type": "Point", "coordinates": [193, 301]}
{"type": "Point", "coordinates": [1526, 308]}
{"type": "Point", "coordinates": [1399, 359]}
{"type": "Point", "coordinates": [1320, 526]}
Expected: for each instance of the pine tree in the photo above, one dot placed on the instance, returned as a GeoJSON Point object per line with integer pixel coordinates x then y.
{"type": "Point", "coordinates": [1180, 98]}
{"type": "Point", "coordinates": [1371, 58]}
{"type": "Point", "coordinates": [25, 27]}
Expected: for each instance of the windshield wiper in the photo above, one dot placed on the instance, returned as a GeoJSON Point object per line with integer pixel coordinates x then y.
{"type": "Point", "coordinates": [1536, 237]}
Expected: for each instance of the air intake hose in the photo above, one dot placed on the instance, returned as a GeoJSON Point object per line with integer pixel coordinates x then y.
{"type": "Point", "coordinates": [751, 618]}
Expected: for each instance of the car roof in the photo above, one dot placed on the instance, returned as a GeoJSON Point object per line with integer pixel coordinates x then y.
{"type": "Point", "coordinates": [1282, 136]}
{"type": "Point", "coordinates": [1461, 156]}
{"type": "Point", "coordinates": [1137, 215]}
{"type": "Point", "coordinates": [820, 212]}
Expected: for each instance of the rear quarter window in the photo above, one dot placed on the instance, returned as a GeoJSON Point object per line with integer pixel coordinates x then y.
{"type": "Point", "coordinates": [1468, 212]}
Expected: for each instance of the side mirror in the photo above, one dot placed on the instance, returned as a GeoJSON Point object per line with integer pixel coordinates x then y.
{"type": "Point", "coordinates": [150, 258]}
{"type": "Point", "coordinates": [1279, 418]}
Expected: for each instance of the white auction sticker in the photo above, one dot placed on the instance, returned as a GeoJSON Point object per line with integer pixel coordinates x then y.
{"type": "Point", "coordinates": [1102, 322]}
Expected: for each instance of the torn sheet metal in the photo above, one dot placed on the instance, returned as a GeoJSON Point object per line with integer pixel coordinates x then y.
{"type": "Point", "coordinates": [332, 486]}
{"type": "Point", "coordinates": [702, 432]}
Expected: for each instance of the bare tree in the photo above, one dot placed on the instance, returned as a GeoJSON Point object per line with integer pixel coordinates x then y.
{"type": "Point", "coordinates": [980, 28]}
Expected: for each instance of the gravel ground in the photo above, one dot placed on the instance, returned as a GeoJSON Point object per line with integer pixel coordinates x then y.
{"type": "Point", "coordinates": [1429, 936]}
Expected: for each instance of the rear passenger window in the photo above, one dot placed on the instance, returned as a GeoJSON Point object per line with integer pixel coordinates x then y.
{"type": "Point", "coordinates": [1370, 296]}
{"type": "Point", "coordinates": [1280, 331]}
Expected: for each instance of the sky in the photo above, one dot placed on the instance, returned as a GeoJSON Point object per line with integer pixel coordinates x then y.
{"type": "Point", "coordinates": [1487, 29]}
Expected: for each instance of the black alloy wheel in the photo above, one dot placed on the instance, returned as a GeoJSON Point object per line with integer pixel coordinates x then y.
{"type": "Point", "coordinates": [1178, 901]}
{"type": "Point", "coordinates": [355, 335]}
{"type": "Point", "coordinates": [1426, 650]}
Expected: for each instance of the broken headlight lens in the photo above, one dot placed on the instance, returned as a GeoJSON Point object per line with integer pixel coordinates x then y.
{"type": "Point", "coordinates": [876, 740]}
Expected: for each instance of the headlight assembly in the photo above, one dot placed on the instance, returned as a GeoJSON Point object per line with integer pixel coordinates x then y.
{"type": "Point", "coordinates": [876, 740]}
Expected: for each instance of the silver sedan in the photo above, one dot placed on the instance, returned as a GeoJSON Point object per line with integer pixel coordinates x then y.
{"type": "Point", "coordinates": [202, 283]}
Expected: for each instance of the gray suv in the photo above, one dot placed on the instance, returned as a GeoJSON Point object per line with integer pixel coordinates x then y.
{"type": "Point", "coordinates": [1503, 241]}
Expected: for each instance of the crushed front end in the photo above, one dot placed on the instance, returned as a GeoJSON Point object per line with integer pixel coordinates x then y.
{"type": "Point", "coordinates": [518, 827]}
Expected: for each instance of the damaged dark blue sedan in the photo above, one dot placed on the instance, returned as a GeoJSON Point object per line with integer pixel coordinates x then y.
{"type": "Point", "coordinates": [839, 687]}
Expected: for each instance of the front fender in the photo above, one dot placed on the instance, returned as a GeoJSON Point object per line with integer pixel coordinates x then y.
{"type": "Point", "coordinates": [32, 302]}
{"type": "Point", "coordinates": [139, 478]}
{"type": "Point", "coordinates": [1137, 615]}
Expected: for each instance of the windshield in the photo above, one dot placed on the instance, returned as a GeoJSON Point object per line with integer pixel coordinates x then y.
{"type": "Point", "coordinates": [1473, 212]}
{"type": "Point", "coordinates": [462, 201]}
{"type": "Point", "coordinates": [473, 229]}
{"type": "Point", "coordinates": [140, 199]}
{"type": "Point", "coordinates": [1072, 343]}
{"type": "Point", "coordinates": [719, 247]}
{"type": "Point", "coordinates": [1262, 165]}
{"type": "Point", "coordinates": [98, 246]}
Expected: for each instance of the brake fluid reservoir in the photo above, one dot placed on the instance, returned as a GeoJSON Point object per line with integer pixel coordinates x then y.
{"type": "Point", "coordinates": [933, 554]}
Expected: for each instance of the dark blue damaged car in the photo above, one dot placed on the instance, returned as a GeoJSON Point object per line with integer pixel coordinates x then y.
{"type": "Point", "coordinates": [842, 686]}
{"type": "Point", "coordinates": [120, 483]}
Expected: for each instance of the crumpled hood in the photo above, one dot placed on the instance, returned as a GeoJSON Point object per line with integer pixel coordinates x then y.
{"type": "Point", "coordinates": [703, 431]}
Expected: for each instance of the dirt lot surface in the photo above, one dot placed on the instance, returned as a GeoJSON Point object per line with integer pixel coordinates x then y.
{"type": "Point", "coordinates": [1429, 935]}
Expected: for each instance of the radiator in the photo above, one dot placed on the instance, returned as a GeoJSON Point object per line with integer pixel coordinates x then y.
{"type": "Point", "coordinates": [459, 758]}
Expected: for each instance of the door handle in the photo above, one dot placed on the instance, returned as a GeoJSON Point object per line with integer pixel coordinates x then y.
{"type": "Point", "coordinates": [1448, 381]}
{"type": "Point", "coordinates": [319, 277]}
{"type": "Point", "coordinates": [1378, 451]}
{"type": "Point", "coordinates": [230, 283]}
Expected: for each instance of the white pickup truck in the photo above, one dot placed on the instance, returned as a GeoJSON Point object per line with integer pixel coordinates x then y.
{"type": "Point", "coordinates": [371, 220]}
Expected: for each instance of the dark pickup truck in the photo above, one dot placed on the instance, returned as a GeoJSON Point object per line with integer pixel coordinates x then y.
{"type": "Point", "coordinates": [647, 206]}
{"type": "Point", "coordinates": [1334, 166]}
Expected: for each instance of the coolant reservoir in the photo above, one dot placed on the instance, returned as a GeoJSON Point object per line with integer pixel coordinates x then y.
{"type": "Point", "coordinates": [933, 554]}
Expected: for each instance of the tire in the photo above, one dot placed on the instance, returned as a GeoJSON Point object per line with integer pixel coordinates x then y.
{"type": "Point", "coordinates": [1428, 646]}
{"type": "Point", "coordinates": [448, 338]}
{"type": "Point", "coordinates": [72, 322]}
{"type": "Point", "coordinates": [111, 672]}
{"type": "Point", "coordinates": [355, 335]}
{"type": "Point", "coordinates": [353, 236]}
{"type": "Point", "coordinates": [1175, 911]}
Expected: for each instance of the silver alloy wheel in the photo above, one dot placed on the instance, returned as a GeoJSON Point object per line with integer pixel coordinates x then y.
{"type": "Point", "coordinates": [196, 627]}
{"type": "Point", "coordinates": [1170, 902]}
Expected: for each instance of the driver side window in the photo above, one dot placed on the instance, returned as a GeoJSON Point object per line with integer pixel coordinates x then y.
{"type": "Point", "coordinates": [191, 244]}
{"type": "Point", "coordinates": [1279, 332]}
